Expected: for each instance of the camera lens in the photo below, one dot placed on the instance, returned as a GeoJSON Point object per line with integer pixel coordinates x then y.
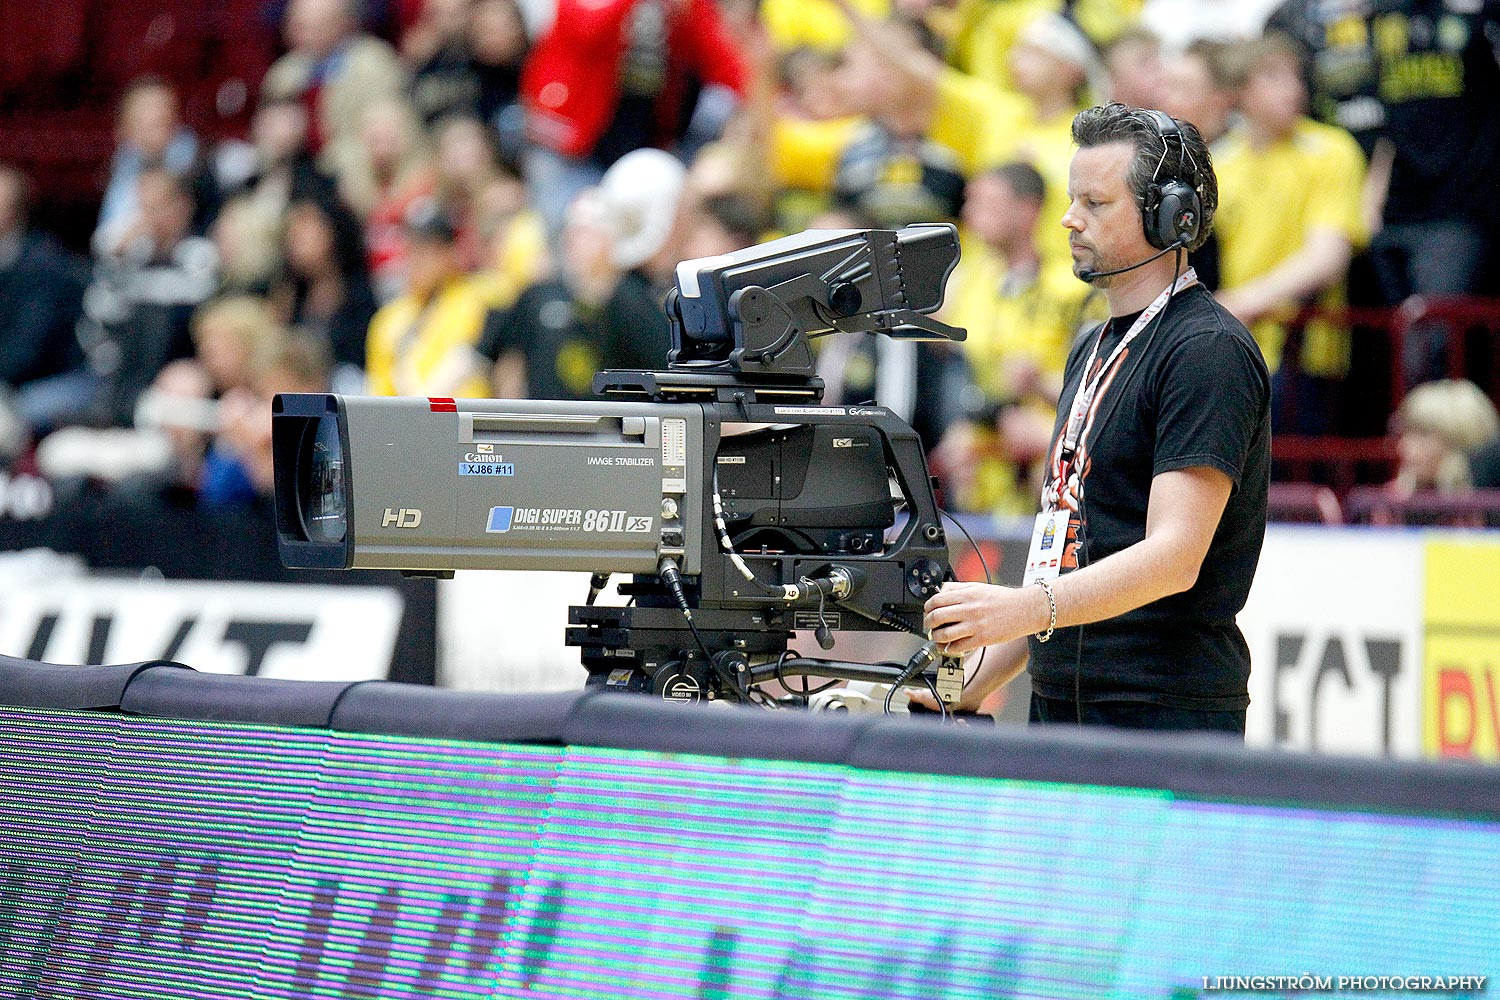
{"type": "Point", "coordinates": [320, 498]}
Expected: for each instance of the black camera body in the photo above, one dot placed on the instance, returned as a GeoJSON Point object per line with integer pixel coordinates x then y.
{"type": "Point", "coordinates": [824, 516]}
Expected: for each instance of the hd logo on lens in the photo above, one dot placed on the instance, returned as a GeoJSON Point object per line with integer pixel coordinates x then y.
{"type": "Point", "coordinates": [500, 518]}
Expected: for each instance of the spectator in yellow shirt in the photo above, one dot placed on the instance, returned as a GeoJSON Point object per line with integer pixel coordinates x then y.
{"type": "Point", "coordinates": [979, 33]}
{"type": "Point", "coordinates": [421, 344]}
{"type": "Point", "coordinates": [890, 83]}
{"type": "Point", "coordinates": [1289, 220]}
{"type": "Point", "coordinates": [1022, 314]}
{"type": "Point", "coordinates": [818, 24]}
{"type": "Point", "coordinates": [1055, 68]}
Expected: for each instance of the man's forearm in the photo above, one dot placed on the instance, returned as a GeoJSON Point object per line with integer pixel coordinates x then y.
{"type": "Point", "coordinates": [1320, 262]}
{"type": "Point", "coordinates": [1182, 514]}
{"type": "Point", "coordinates": [1000, 666]}
{"type": "Point", "coordinates": [1131, 578]}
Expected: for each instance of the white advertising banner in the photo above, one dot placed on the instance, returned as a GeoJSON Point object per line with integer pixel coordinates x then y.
{"type": "Point", "coordinates": [505, 631]}
{"type": "Point", "coordinates": [1334, 623]}
{"type": "Point", "coordinates": [272, 630]}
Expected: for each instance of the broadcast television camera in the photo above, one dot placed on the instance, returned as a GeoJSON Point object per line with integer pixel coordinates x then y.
{"type": "Point", "coordinates": [743, 508]}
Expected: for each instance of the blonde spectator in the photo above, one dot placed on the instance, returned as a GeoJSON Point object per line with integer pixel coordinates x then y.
{"type": "Point", "coordinates": [1289, 220]}
{"type": "Point", "coordinates": [227, 334]}
{"type": "Point", "coordinates": [335, 70]}
{"type": "Point", "coordinates": [389, 169]}
{"type": "Point", "coordinates": [239, 469]}
{"type": "Point", "coordinates": [1439, 426]}
{"type": "Point", "coordinates": [392, 161]}
{"type": "Point", "coordinates": [246, 246]}
{"type": "Point", "coordinates": [297, 362]}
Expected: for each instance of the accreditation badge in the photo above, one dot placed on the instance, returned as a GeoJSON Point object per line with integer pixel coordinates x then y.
{"type": "Point", "coordinates": [1049, 536]}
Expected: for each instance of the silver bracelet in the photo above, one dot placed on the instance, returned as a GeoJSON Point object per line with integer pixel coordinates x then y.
{"type": "Point", "coordinates": [1051, 611]}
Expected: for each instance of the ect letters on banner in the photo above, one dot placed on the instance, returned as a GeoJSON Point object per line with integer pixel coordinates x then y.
{"type": "Point", "coordinates": [1334, 623]}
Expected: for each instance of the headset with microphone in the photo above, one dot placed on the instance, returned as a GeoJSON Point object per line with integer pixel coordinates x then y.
{"type": "Point", "coordinates": [1171, 209]}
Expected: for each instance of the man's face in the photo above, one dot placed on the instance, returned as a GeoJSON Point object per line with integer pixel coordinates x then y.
{"type": "Point", "coordinates": [1103, 218]}
{"type": "Point", "coordinates": [317, 26]}
{"type": "Point", "coordinates": [995, 213]}
{"type": "Point", "coordinates": [167, 211]}
{"type": "Point", "coordinates": [1190, 94]}
{"type": "Point", "coordinates": [1274, 95]}
{"type": "Point", "coordinates": [430, 262]}
{"type": "Point", "coordinates": [149, 121]}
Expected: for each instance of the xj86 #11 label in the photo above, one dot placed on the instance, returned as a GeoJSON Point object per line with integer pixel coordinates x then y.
{"type": "Point", "coordinates": [483, 461]}
{"type": "Point", "coordinates": [486, 469]}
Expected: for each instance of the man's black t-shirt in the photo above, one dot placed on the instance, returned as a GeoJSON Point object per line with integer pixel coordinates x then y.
{"type": "Point", "coordinates": [1192, 390]}
{"type": "Point", "coordinates": [565, 342]}
{"type": "Point", "coordinates": [1422, 73]}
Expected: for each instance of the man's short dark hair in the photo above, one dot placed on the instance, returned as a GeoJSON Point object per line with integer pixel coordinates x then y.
{"type": "Point", "coordinates": [1188, 160]}
{"type": "Point", "coordinates": [1024, 180]}
{"type": "Point", "coordinates": [739, 215]}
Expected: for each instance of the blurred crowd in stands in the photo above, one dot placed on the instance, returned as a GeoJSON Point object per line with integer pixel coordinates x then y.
{"type": "Point", "coordinates": [489, 197]}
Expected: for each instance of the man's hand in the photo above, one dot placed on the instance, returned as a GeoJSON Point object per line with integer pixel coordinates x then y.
{"type": "Point", "coordinates": [993, 669]}
{"type": "Point", "coordinates": [966, 616]}
{"type": "Point", "coordinates": [969, 701]}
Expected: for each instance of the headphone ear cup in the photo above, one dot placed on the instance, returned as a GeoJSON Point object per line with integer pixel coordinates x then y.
{"type": "Point", "coordinates": [1174, 215]}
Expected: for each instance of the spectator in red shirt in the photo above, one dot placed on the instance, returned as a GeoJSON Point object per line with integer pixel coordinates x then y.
{"type": "Point", "coordinates": [611, 76]}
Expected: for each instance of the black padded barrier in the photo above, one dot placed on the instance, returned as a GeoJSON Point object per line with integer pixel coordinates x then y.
{"type": "Point", "coordinates": [636, 722]}
{"type": "Point", "coordinates": [233, 698]}
{"type": "Point", "coordinates": [33, 684]}
{"type": "Point", "coordinates": [1191, 765]}
{"type": "Point", "coordinates": [436, 713]}
{"type": "Point", "coordinates": [1187, 764]}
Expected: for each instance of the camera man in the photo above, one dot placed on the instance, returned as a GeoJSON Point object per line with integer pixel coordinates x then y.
{"type": "Point", "coordinates": [1154, 504]}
